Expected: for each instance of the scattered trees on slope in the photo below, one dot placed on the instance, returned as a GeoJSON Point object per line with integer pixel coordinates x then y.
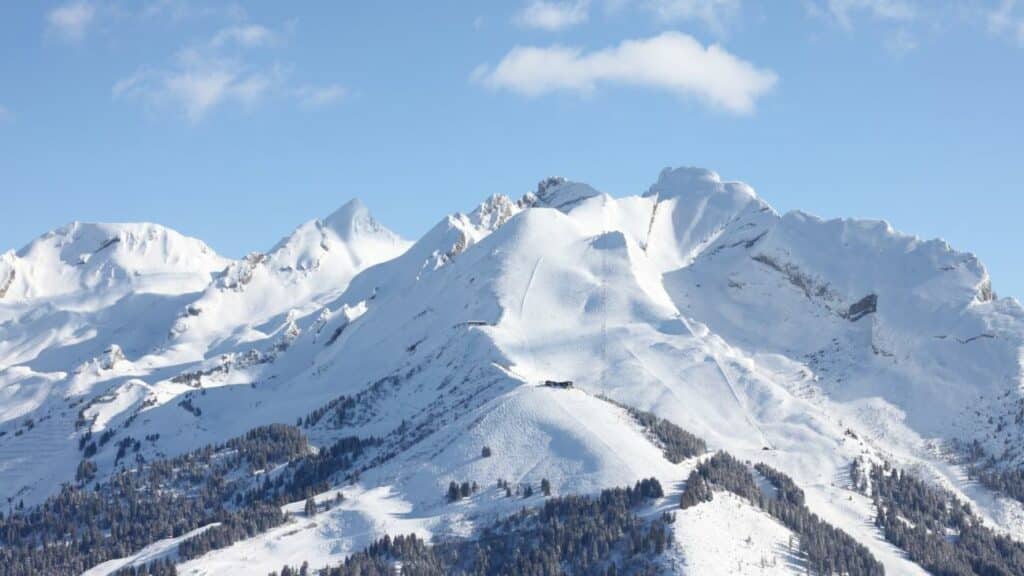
{"type": "Point", "coordinates": [936, 529]}
{"type": "Point", "coordinates": [990, 471]}
{"type": "Point", "coordinates": [569, 534]}
{"type": "Point", "coordinates": [827, 549]}
{"type": "Point", "coordinates": [697, 491]}
{"type": "Point", "coordinates": [162, 567]}
{"type": "Point", "coordinates": [229, 484]}
{"type": "Point", "coordinates": [676, 443]}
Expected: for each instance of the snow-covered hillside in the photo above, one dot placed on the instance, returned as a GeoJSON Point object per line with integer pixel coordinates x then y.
{"type": "Point", "coordinates": [80, 257]}
{"type": "Point", "coordinates": [784, 339]}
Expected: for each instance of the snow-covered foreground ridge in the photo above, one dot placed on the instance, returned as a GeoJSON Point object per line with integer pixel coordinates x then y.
{"type": "Point", "coordinates": [802, 343]}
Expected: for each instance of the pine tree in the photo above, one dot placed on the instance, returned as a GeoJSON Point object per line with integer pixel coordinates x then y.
{"type": "Point", "coordinates": [454, 493]}
{"type": "Point", "coordinates": [697, 491]}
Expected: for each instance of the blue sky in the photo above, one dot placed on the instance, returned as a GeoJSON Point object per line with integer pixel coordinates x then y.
{"type": "Point", "coordinates": [235, 122]}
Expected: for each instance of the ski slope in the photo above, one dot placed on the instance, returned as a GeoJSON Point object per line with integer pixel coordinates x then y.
{"type": "Point", "coordinates": [781, 338]}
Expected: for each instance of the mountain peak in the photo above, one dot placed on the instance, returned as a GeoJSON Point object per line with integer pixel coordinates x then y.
{"type": "Point", "coordinates": [352, 217]}
{"type": "Point", "coordinates": [88, 255]}
{"type": "Point", "coordinates": [589, 340]}
{"type": "Point", "coordinates": [694, 181]}
{"type": "Point", "coordinates": [79, 234]}
{"type": "Point", "coordinates": [548, 183]}
{"type": "Point", "coordinates": [559, 193]}
{"type": "Point", "coordinates": [346, 240]}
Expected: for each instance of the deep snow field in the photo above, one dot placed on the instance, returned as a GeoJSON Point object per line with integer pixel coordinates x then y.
{"type": "Point", "coordinates": [784, 339]}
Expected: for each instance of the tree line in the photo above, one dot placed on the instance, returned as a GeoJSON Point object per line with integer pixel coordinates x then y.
{"type": "Point", "coordinates": [586, 535]}
{"type": "Point", "coordinates": [230, 484]}
{"type": "Point", "coordinates": [161, 567]}
{"type": "Point", "coordinates": [935, 528]}
{"type": "Point", "coordinates": [677, 444]}
{"type": "Point", "coordinates": [826, 549]}
{"type": "Point", "coordinates": [991, 472]}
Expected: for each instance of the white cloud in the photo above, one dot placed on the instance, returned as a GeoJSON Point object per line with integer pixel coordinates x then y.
{"type": "Point", "coordinates": [197, 83]}
{"type": "Point", "coordinates": [901, 42]}
{"type": "Point", "coordinates": [179, 10]}
{"type": "Point", "coordinates": [554, 14]}
{"type": "Point", "coordinates": [712, 12]}
{"type": "Point", "coordinates": [316, 96]}
{"type": "Point", "coordinates": [671, 61]}
{"type": "Point", "coordinates": [5, 115]}
{"type": "Point", "coordinates": [71, 21]}
{"type": "Point", "coordinates": [220, 72]}
{"type": "Point", "coordinates": [1004, 20]}
{"type": "Point", "coordinates": [901, 21]}
{"type": "Point", "coordinates": [249, 36]}
{"type": "Point", "coordinates": [844, 11]}
{"type": "Point", "coordinates": [715, 14]}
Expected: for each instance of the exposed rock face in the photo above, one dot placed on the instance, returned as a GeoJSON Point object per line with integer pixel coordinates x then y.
{"type": "Point", "coordinates": [84, 257]}
{"type": "Point", "coordinates": [5, 283]}
{"type": "Point", "coordinates": [111, 357]}
{"type": "Point", "coordinates": [985, 292]}
{"type": "Point", "coordinates": [528, 326]}
{"type": "Point", "coordinates": [863, 307]}
{"type": "Point", "coordinates": [549, 182]}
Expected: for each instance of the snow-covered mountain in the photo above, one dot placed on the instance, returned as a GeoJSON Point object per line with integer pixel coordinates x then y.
{"type": "Point", "coordinates": [80, 257]}
{"type": "Point", "coordinates": [787, 340]}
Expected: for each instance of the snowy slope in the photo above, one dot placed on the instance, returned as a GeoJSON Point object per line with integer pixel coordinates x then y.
{"type": "Point", "coordinates": [785, 339]}
{"type": "Point", "coordinates": [84, 257]}
{"type": "Point", "coordinates": [104, 311]}
{"type": "Point", "coordinates": [259, 293]}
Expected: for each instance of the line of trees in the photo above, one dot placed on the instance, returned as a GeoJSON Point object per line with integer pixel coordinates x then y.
{"type": "Point", "coordinates": [676, 443]}
{"type": "Point", "coordinates": [458, 491]}
{"type": "Point", "coordinates": [936, 529]}
{"type": "Point", "coordinates": [826, 549]}
{"type": "Point", "coordinates": [339, 410]}
{"type": "Point", "coordinates": [991, 472]}
{"type": "Point", "coordinates": [230, 484]}
{"type": "Point", "coordinates": [584, 535]}
{"type": "Point", "coordinates": [79, 528]}
{"type": "Point", "coordinates": [1008, 482]}
{"type": "Point", "coordinates": [161, 567]}
{"type": "Point", "coordinates": [238, 484]}
{"type": "Point", "coordinates": [233, 526]}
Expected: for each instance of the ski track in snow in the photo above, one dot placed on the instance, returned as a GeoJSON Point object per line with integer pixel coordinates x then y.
{"type": "Point", "coordinates": [114, 325]}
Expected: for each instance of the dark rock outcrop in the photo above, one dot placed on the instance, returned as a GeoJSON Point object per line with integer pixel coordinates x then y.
{"type": "Point", "coordinates": [863, 307]}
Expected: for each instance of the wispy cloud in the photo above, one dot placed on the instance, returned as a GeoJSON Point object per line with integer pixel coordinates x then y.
{"type": "Point", "coordinates": [221, 72]}
{"type": "Point", "coordinates": [671, 61]}
{"type": "Point", "coordinates": [901, 21]}
{"type": "Point", "coordinates": [317, 96]}
{"type": "Point", "coordinates": [713, 13]}
{"type": "Point", "coordinates": [71, 21]}
{"type": "Point", "coordinates": [844, 12]}
{"type": "Point", "coordinates": [5, 115]}
{"type": "Point", "coordinates": [553, 15]}
{"type": "Point", "coordinates": [901, 42]}
{"type": "Point", "coordinates": [249, 36]}
{"type": "Point", "coordinates": [198, 82]}
{"type": "Point", "coordinates": [180, 10]}
{"type": "Point", "coordinates": [1006, 20]}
